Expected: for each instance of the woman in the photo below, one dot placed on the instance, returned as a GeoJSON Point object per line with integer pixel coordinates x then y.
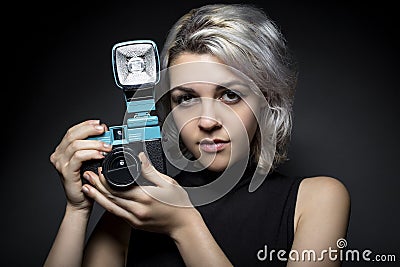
{"type": "Point", "coordinates": [231, 82]}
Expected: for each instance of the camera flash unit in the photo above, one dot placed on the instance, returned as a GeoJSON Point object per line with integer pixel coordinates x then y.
{"type": "Point", "coordinates": [135, 64]}
{"type": "Point", "coordinates": [136, 72]}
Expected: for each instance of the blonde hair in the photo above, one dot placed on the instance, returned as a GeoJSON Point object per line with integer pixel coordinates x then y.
{"type": "Point", "coordinates": [243, 37]}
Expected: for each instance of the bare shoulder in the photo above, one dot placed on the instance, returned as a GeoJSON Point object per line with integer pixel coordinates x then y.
{"type": "Point", "coordinates": [321, 198]}
{"type": "Point", "coordinates": [323, 188]}
{"type": "Point", "coordinates": [321, 217]}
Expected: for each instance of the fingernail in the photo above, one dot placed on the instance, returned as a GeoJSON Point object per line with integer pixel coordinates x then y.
{"type": "Point", "coordinates": [95, 122]}
{"type": "Point", "coordinates": [99, 127]}
{"type": "Point", "coordinates": [87, 177]}
{"type": "Point", "coordinates": [106, 145]}
{"type": "Point", "coordinates": [85, 189]}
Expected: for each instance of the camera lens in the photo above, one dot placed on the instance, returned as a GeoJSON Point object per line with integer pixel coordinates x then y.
{"type": "Point", "coordinates": [121, 167]}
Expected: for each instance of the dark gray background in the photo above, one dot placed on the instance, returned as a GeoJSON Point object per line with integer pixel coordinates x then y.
{"type": "Point", "coordinates": [58, 71]}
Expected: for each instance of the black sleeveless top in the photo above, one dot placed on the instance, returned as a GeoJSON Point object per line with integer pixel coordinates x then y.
{"type": "Point", "coordinates": [247, 226]}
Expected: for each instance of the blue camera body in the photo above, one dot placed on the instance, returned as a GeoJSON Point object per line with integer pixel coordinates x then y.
{"type": "Point", "coordinates": [136, 71]}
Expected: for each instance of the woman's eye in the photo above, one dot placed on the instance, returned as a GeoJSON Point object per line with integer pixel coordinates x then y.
{"type": "Point", "coordinates": [230, 97]}
{"type": "Point", "coordinates": [185, 99]}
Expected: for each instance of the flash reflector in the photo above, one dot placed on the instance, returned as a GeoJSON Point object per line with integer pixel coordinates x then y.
{"type": "Point", "coordinates": [136, 64]}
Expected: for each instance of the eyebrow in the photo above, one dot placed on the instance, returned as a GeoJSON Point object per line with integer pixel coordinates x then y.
{"type": "Point", "coordinates": [219, 87]}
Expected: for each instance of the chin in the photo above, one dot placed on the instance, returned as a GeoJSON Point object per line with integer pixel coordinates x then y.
{"type": "Point", "coordinates": [217, 165]}
{"type": "Point", "coordinates": [218, 162]}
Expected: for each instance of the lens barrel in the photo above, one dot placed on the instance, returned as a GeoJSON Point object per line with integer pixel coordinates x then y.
{"type": "Point", "coordinates": [121, 167]}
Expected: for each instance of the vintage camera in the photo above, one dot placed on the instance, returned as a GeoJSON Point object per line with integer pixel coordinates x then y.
{"type": "Point", "coordinates": [136, 70]}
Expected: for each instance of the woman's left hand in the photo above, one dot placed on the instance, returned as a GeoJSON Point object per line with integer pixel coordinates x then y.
{"type": "Point", "coordinates": [164, 207]}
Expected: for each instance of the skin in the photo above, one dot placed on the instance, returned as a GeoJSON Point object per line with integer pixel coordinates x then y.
{"type": "Point", "coordinates": [321, 214]}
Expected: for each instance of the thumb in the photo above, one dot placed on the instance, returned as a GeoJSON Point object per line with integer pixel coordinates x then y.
{"type": "Point", "coordinates": [152, 174]}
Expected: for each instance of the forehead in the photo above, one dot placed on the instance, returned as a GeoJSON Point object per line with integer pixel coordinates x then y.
{"type": "Point", "coordinates": [190, 68]}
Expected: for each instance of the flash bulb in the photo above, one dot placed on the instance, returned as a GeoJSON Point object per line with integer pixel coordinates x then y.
{"type": "Point", "coordinates": [136, 64]}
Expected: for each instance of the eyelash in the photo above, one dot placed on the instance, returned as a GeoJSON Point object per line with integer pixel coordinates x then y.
{"type": "Point", "coordinates": [180, 99]}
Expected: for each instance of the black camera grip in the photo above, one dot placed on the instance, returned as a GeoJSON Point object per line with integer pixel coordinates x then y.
{"type": "Point", "coordinates": [156, 155]}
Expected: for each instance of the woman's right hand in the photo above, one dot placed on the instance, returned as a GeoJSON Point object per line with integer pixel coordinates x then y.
{"type": "Point", "coordinates": [69, 155]}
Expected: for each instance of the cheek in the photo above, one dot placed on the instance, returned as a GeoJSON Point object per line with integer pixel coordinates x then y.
{"type": "Point", "coordinates": [186, 131]}
{"type": "Point", "coordinates": [180, 120]}
{"type": "Point", "coordinates": [248, 117]}
{"type": "Point", "coordinates": [183, 116]}
{"type": "Point", "coordinates": [185, 125]}
{"type": "Point", "coordinates": [250, 123]}
{"type": "Point", "coordinates": [243, 122]}
{"type": "Point", "coordinates": [188, 137]}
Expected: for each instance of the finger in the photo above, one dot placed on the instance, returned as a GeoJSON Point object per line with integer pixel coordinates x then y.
{"type": "Point", "coordinates": [106, 203]}
{"type": "Point", "coordinates": [95, 181]}
{"type": "Point", "coordinates": [72, 158]}
{"type": "Point", "coordinates": [132, 211]}
{"type": "Point", "coordinates": [82, 131]}
{"type": "Point", "coordinates": [87, 145]}
{"type": "Point", "coordinates": [70, 132]}
{"type": "Point", "coordinates": [75, 163]}
{"type": "Point", "coordinates": [150, 173]}
{"type": "Point", "coordinates": [136, 193]}
{"type": "Point", "coordinates": [72, 136]}
{"type": "Point", "coordinates": [136, 208]}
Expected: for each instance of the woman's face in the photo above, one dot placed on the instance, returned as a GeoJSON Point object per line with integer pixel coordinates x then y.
{"type": "Point", "coordinates": [213, 109]}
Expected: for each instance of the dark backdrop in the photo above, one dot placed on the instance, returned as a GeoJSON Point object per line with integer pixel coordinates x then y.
{"type": "Point", "coordinates": [57, 58]}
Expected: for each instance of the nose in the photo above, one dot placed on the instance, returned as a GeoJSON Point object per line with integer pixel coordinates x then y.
{"type": "Point", "coordinates": [208, 119]}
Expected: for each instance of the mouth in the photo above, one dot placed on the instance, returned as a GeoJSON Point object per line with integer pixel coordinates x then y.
{"type": "Point", "coordinates": [213, 145]}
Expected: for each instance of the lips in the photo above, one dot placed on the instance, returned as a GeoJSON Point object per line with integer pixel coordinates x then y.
{"type": "Point", "coordinates": [213, 145]}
